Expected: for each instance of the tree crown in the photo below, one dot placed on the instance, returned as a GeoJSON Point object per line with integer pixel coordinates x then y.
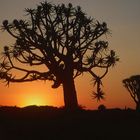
{"type": "Point", "coordinates": [132, 84]}
{"type": "Point", "coordinates": [59, 37]}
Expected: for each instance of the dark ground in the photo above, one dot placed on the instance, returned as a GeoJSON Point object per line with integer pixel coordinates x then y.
{"type": "Point", "coordinates": [49, 123]}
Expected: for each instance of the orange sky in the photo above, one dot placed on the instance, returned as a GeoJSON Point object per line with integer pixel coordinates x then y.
{"type": "Point", "coordinates": [123, 20]}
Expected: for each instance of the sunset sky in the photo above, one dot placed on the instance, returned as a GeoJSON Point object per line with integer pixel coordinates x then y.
{"type": "Point", "coordinates": [123, 19]}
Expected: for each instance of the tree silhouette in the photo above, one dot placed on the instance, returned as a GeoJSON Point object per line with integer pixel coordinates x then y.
{"type": "Point", "coordinates": [132, 84]}
{"type": "Point", "coordinates": [62, 39]}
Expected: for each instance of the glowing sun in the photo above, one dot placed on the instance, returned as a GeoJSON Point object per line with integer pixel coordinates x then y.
{"type": "Point", "coordinates": [34, 100]}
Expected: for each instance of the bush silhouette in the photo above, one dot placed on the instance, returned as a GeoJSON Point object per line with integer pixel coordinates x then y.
{"type": "Point", "coordinates": [101, 107]}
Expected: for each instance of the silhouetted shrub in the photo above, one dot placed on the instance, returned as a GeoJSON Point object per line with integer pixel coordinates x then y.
{"type": "Point", "coordinates": [101, 107]}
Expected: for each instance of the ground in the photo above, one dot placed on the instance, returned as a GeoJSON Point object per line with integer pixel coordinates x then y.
{"type": "Point", "coordinates": [49, 123]}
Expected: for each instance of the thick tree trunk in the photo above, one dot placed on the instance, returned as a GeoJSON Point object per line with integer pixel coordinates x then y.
{"type": "Point", "coordinates": [69, 91]}
{"type": "Point", "coordinates": [138, 106]}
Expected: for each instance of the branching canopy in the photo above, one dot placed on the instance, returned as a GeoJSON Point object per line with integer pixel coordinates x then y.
{"type": "Point", "coordinates": [56, 36]}
{"type": "Point", "coordinates": [132, 84]}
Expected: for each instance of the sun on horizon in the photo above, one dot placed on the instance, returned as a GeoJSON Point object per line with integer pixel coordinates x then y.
{"type": "Point", "coordinates": [34, 98]}
{"type": "Point", "coordinates": [34, 101]}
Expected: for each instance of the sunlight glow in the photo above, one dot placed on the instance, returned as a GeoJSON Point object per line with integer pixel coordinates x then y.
{"type": "Point", "coordinates": [34, 101]}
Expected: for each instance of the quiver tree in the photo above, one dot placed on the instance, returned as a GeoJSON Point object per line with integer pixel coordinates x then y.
{"type": "Point", "coordinates": [132, 84]}
{"type": "Point", "coordinates": [64, 40]}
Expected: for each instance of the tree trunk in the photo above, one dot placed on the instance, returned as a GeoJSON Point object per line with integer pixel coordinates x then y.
{"type": "Point", "coordinates": [69, 91]}
{"type": "Point", "coordinates": [138, 106]}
